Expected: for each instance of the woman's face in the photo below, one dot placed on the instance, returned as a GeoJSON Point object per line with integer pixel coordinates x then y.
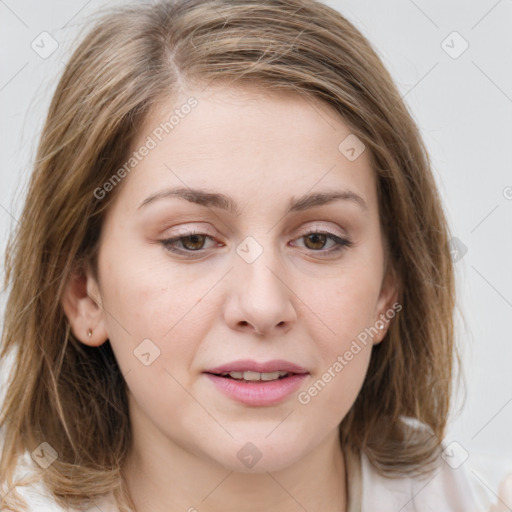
{"type": "Point", "coordinates": [257, 277]}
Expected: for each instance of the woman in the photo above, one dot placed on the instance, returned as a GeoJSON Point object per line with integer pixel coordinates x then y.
{"type": "Point", "coordinates": [231, 285]}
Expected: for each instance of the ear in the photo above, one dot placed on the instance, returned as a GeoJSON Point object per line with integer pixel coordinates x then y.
{"type": "Point", "coordinates": [387, 303]}
{"type": "Point", "coordinates": [82, 304]}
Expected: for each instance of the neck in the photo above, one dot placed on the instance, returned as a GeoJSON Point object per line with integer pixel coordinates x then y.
{"type": "Point", "coordinates": [166, 476]}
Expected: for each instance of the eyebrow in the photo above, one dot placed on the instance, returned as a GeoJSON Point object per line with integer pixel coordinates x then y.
{"type": "Point", "coordinates": [224, 202]}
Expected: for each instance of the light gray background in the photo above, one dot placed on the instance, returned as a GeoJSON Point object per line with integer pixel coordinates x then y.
{"type": "Point", "coordinates": [463, 106]}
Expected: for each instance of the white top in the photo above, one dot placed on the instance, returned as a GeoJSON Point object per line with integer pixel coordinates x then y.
{"type": "Point", "coordinates": [445, 490]}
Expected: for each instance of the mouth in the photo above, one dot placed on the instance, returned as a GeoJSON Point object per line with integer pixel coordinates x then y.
{"type": "Point", "coordinates": [249, 376]}
{"type": "Point", "coordinates": [252, 370]}
{"type": "Point", "coordinates": [257, 384]}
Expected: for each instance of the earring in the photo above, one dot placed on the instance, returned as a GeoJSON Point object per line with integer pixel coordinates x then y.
{"type": "Point", "coordinates": [89, 333]}
{"type": "Point", "coordinates": [381, 327]}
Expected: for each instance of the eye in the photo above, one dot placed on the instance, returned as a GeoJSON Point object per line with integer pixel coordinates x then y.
{"type": "Point", "coordinates": [194, 242]}
{"type": "Point", "coordinates": [190, 242]}
{"type": "Point", "coordinates": [316, 241]}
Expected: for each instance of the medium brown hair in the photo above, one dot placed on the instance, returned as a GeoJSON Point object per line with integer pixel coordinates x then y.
{"type": "Point", "coordinates": [73, 396]}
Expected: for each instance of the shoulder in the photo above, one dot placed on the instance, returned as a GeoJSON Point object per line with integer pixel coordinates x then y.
{"type": "Point", "coordinates": [446, 488]}
{"type": "Point", "coordinates": [38, 497]}
{"type": "Point", "coordinates": [30, 488]}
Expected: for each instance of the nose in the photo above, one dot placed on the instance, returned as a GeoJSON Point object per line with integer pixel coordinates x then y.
{"type": "Point", "coordinates": [259, 298]}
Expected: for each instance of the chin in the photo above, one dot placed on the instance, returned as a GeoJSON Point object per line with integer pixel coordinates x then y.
{"type": "Point", "coordinates": [257, 454]}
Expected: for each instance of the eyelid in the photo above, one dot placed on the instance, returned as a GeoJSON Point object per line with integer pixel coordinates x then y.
{"type": "Point", "coordinates": [205, 229]}
{"type": "Point", "coordinates": [341, 242]}
{"type": "Point", "coordinates": [202, 229]}
{"type": "Point", "coordinates": [319, 228]}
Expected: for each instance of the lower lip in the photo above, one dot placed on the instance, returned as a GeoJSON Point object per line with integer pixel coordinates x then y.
{"type": "Point", "coordinates": [258, 393]}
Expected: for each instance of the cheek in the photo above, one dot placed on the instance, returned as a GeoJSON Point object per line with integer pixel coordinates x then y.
{"type": "Point", "coordinates": [152, 308]}
{"type": "Point", "coordinates": [345, 357]}
{"type": "Point", "coordinates": [345, 306]}
{"type": "Point", "coordinates": [334, 388]}
{"type": "Point", "coordinates": [155, 347]}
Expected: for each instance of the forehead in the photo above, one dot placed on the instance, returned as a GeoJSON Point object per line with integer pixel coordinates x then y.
{"type": "Point", "coordinates": [249, 144]}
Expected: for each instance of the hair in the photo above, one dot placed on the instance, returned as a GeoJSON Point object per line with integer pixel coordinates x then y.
{"type": "Point", "coordinates": [73, 396]}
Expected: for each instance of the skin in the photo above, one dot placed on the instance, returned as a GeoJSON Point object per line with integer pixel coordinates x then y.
{"type": "Point", "coordinates": [297, 301]}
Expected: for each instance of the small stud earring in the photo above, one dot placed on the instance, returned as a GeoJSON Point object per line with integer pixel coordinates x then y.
{"type": "Point", "coordinates": [89, 333]}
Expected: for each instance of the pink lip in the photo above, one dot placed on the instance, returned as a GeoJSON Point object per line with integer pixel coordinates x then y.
{"type": "Point", "coordinates": [260, 393]}
{"type": "Point", "coordinates": [247, 365]}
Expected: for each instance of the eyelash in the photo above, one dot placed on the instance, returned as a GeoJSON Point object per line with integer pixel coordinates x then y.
{"type": "Point", "coordinates": [342, 243]}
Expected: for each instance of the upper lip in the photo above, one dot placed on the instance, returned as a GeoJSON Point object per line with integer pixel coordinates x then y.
{"type": "Point", "coordinates": [248, 365]}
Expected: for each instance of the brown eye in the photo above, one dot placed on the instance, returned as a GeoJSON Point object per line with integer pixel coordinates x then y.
{"type": "Point", "coordinates": [189, 242]}
{"type": "Point", "coordinates": [193, 242]}
{"type": "Point", "coordinates": [315, 241]}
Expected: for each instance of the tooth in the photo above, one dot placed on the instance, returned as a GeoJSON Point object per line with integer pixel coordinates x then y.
{"type": "Point", "coordinates": [255, 376]}
{"type": "Point", "coordinates": [271, 376]}
{"type": "Point", "coordinates": [252, 375]}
